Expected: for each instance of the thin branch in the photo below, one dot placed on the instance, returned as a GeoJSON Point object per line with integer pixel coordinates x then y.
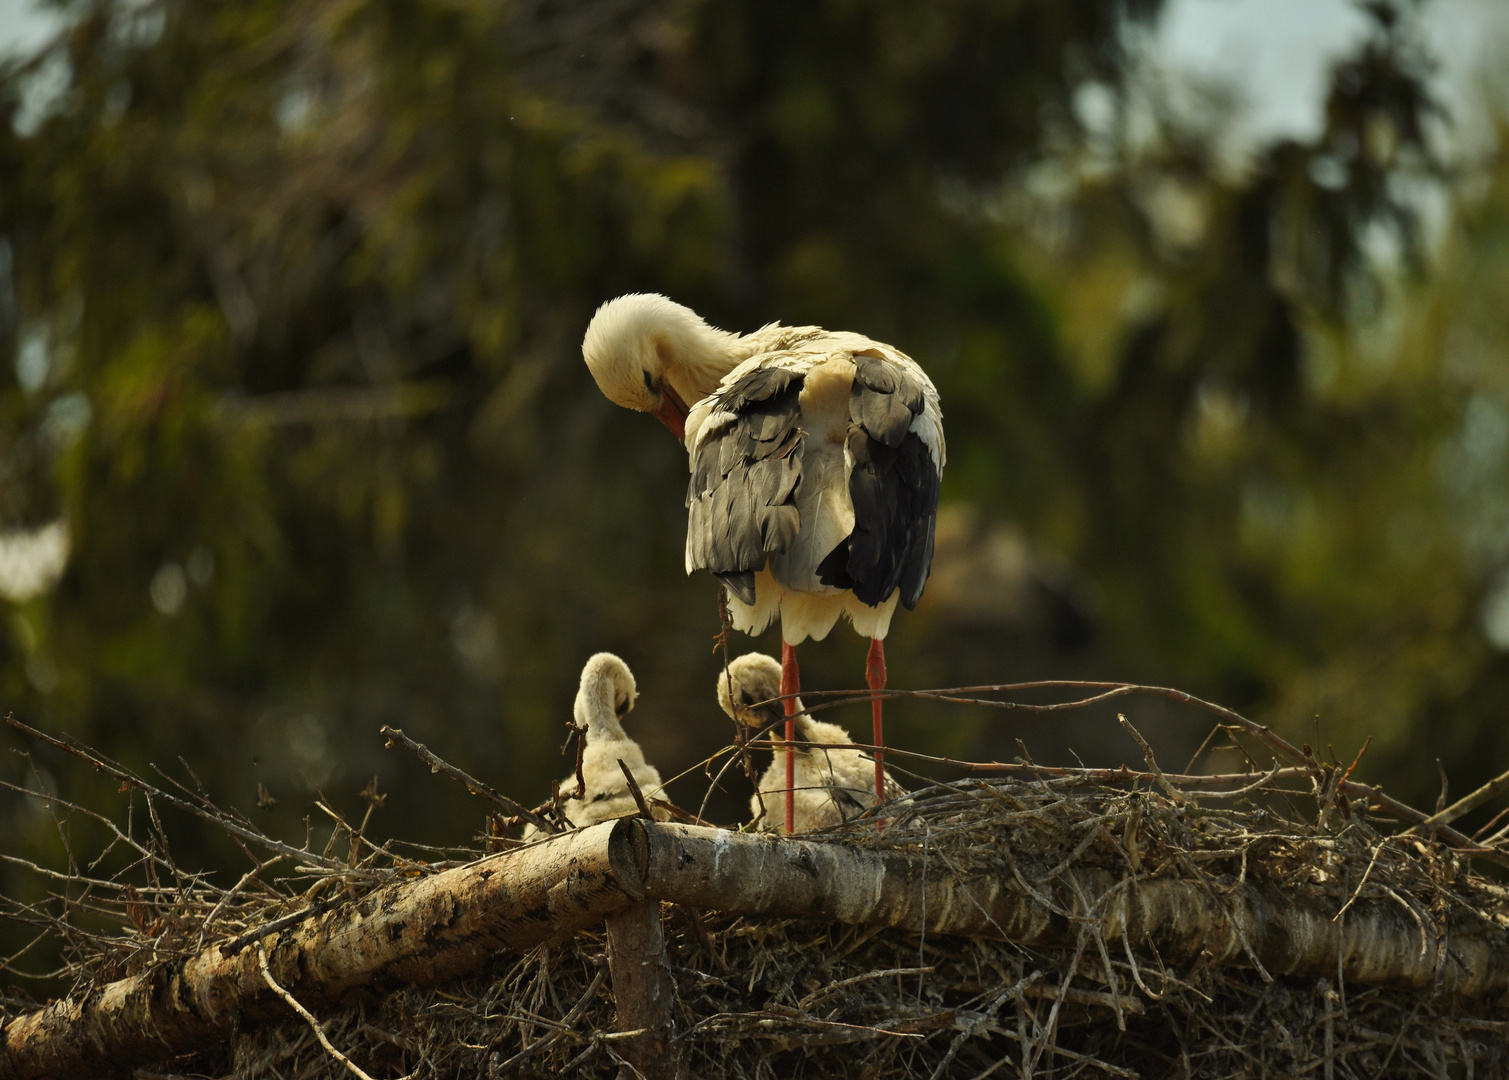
{"type": "Point", "coordinates": [396, 737]}
{"type": "Point", "coordinates": [644, 808]}
{"type": "Point", "coordinates": [293, 1003]}
{"type": "Point", "coordinates": [1281, 747]}
{"type": "Point", "coordinates": [319, 907]}
{"type": "Point", "coordinates": [246, 879]}
{"type": "Point", "coordinates": [1172, 792]}
{"type": "Point", "coordinates": [1466, 804]}
{"type": "Point", "coordinates": [103, 764]}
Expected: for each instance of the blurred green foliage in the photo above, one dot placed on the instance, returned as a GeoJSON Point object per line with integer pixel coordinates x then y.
{"type": "Point", "coordinates": [291, 296]}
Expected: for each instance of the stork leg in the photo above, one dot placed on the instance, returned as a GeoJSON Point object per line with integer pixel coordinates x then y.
{"type": "Point", "coordinates": [875, 676]}
{"type": "Point", "coordinates": [791, 685]}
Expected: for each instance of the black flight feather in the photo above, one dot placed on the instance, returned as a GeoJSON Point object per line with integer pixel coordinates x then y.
{"type": "Point", "coordinates": [893, 486]}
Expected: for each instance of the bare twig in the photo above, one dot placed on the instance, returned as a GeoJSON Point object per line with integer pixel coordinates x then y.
{"type": "Point", "coordinates": [103, 764]}
{"type": "Point", "coordinates": [396, 737]}
{"type": "Point", "coordinates": [1152, 763]}
{"type": "Point", "coordinates": [581, 753]}
{"type": "Point", "coordinates": [246, 879]}
{"type": "Point", "coordinates": [644, 807]}
{"type": "Point", "coordinates": [1466, 804]}
{"type": "Point", "coordinates": [319, 907]}
{"type": "Point", "coordinates": [293, 1003]}
{"type": "Point", "coordinates": [1284, 749]}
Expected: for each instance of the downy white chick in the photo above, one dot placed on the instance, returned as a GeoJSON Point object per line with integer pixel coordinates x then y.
{"type": "Point", "coordinates": [606, 695]}
{"type": "Point", "coordinates": [832, 786]}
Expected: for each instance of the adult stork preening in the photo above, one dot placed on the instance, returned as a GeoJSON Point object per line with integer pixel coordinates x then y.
{"type": "Point", "coordinates": [831, 783]}
{"type": "Point", "coordinates": [605, 697]}
{"type": "Point", "coordinates": [815, 456]}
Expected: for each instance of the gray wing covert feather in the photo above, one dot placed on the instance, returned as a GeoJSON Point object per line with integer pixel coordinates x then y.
{"type": "Point", "coordinates": [741, 501]}
{"type": "Point", "coordinates": [884, 400]}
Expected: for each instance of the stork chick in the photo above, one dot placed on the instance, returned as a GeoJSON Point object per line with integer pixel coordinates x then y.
{"type": "Point", "coordinates": [606, 696]}
{"type": "Point", "coordinates": [832, 785]}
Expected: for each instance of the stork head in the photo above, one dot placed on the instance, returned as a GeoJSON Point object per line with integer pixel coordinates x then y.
{"type": "Point", "coordinates": [750, 690]}
{"type": "Point", "coordinates": [607, 692]}
{"type": "Point", "coordinates": [653, 355]}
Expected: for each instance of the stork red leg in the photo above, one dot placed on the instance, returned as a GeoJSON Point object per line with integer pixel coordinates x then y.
{"type": "Point", "coordinates": [791, 685]}
{"type": "Point", "coordinates": [875, 676]}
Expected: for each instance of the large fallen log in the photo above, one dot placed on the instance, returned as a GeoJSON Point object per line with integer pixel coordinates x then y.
{"type": "Point", "coordinates": [434, 929]}
{"type": "Point", "coordinates": [414, 933]}
{"type": "Point", "coordinates": [1282, 931]}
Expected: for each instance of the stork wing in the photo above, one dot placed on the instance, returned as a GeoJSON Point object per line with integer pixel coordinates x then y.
{"type": "Point", "coordinates": [746, 465]}
{"type": "Point", "coordinates": [894, 476]}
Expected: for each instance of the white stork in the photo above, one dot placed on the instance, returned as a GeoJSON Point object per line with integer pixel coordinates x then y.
{"type": "Point", "coordinates": [605, 697]}
{"type": "Point", "coordinates": [815, 457]}
{"type": "Point", "coordinates": [832, 784]}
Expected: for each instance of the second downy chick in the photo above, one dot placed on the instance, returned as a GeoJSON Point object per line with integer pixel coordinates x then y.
{"type": "Point", "coordinates": [832, 785]}
{"type": "Point", "coordinates": [605, 697]}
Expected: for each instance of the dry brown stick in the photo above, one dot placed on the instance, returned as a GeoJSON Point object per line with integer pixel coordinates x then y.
{"type": "Point", "coordinates": [1122, 775]}
{"type": "Point", "coordinates": [246, 879]}
{"type": "Point", "coordinates": [283, 922]}
{"type": "Point", "coordinates": [706, 764]}
{"type": "Point", "coordinates": [1467, 803]}
{"type": "Point", "coordinates": [396, 737]}
{"type": "Point", "coordinates": [306, 1016]}
{"type": "Point", "coordinates": [73, 807]}
{"type": "Point", "coordinates": [1452, 837]}
{"type": "Point", "coordinates": [644, 807]}
{"type": "Point", "coordinates": [581, 754]}
{"type": "Point", "coordinates": [100, 763]}
{"type": "Point", "coordinates": [1108, 692]}
{"type": "Point", "coordinates": [1270, 738]}
{"type": "Point", "coordinates": [355, 835]}
{"type": "Point", "coordinates": [1080, 774]}
{"type": "Point", "coordinates": [566, 1023]}
{"type": "Point", "coordinates": [1172, 792]}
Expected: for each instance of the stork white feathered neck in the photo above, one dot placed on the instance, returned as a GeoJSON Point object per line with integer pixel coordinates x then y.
{"type": "Point", "coordinates": [646, 334]}
{"type": "Point", "coordinates": [606, 694]}
{"type": "Point", "coordinates": [606, 683]}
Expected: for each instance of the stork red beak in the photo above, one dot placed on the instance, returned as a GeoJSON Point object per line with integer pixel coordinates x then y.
{"type": "Point", "coordinates": [671, 411]}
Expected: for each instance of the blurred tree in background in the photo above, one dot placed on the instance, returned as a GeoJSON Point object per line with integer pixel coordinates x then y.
{"type": "Point", "coordinates": [291, 296]}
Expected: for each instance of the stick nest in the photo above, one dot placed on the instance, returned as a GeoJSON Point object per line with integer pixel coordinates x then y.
{"type": "Point", "coordinates": [777, 998]}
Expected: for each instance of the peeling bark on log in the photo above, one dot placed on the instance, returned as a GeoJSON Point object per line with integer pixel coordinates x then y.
{"type": "Point", "coordinates": [642, 989]}
{"type": "Point", "coordinates": [1287, 931]}
{"type": "Point", "coordinates": [442, 927]}
{"type": "Point", "coordinates": [414, 933]}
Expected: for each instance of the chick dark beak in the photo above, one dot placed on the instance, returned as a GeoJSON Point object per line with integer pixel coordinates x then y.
{"type": "Point", "coordinates": [671, 411]}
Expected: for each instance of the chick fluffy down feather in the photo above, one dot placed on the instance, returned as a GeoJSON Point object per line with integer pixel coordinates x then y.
{"type": "Point", "coordinates": [607, 694]}
{"type": "Point", "coordinates": [832, 785]}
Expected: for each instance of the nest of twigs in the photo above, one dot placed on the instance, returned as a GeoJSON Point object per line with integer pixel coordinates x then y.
{"type": "Point", "coordinates": [780, 998]}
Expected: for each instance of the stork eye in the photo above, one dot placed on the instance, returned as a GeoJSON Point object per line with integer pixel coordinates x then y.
{"type": "Point", "coordinates": [621, 707]}
{"type": "Point", "coordinates": [746, 698]}
{"type": "Point", "coordinates": [649, 384]}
